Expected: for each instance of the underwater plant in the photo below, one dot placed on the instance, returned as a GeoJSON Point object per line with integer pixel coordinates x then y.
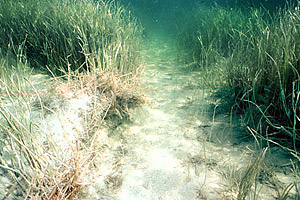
{"type": "Point", "coordinates": [70, 35]}
{"type": "Point", "coordinates": [253, 54]}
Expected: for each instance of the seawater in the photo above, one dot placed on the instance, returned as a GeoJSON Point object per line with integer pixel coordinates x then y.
{"type": "Point", "coordinates": [163, 15]}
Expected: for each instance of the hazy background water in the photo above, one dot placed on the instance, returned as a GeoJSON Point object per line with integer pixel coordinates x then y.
{"type": "Point", "coordinates": [162, 15]}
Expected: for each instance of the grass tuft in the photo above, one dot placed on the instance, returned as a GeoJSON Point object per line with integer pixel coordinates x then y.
{"type": "Point", "coordinates": [71, 35]}
{"type": "Point", "coordinates": [255, 54]}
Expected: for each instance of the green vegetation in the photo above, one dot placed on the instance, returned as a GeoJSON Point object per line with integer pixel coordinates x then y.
{"type": "Point", "coordinates": [255, 54]}
{"type": "Point", "coordinates": [71, 35]}
{"type": "Point", "coordinates": [252, 58]}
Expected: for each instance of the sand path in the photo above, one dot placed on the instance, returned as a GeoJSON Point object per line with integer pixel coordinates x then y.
{"type": "Point", "coordinates": [168, 156]}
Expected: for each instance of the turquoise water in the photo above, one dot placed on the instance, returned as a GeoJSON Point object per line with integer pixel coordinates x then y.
{"type": "Point", "coordinates": [163, 15]}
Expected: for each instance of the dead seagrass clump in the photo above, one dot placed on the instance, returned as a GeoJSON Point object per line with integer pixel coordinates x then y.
{"type": "Point", "coordinates": [111, 94]}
